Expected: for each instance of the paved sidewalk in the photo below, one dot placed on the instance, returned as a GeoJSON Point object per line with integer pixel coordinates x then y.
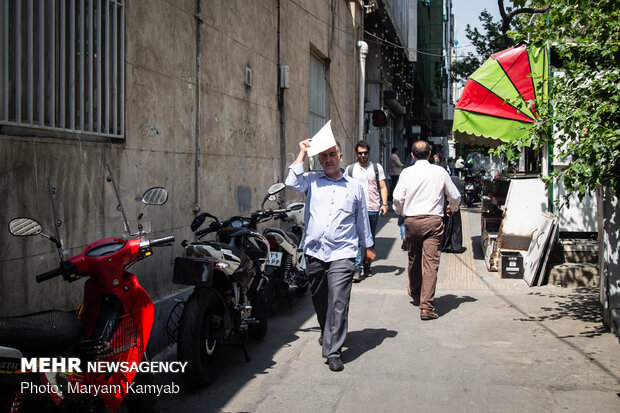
{"type": "Point", "coordinates": [464, 271]}
{"type": "Point", "coordinates": [498, 345]}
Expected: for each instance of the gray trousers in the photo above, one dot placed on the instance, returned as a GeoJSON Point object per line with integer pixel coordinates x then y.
{"type": "Point", "coordinates": [331, 291]}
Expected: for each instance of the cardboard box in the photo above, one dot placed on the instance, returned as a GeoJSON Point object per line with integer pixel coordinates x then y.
{"type": "Point", "coordinates": [511, 264]}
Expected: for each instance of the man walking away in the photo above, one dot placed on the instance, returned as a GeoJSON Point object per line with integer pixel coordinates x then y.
{"type": "Point", "coordinates": [420, 196]}
{"type": "Point", "coordinates": [372, 178]}
{"type": "Point", "coordinates": [396, 167]}
{"type": "Point", "coordinates": [336, 223]}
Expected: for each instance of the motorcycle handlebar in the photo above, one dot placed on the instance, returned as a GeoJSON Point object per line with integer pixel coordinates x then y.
{"type": "Point", "coordinates": [257, 217]}
{"type": "Point", "coordinates": [214, 226]}
{"type": "Point", "coordinates": [49, 275]}
{"type": "Point", "coordinates": [162, 241]}
{"type": "Point", "coordinates": [65, 268]}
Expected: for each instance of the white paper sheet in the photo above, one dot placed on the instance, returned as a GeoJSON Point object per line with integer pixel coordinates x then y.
{"type": "Point", "coordinates": [322, 140]}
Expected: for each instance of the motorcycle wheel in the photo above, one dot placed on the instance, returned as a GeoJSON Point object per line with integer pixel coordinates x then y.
{"type": "Point", "coordinates": [261, 309]}
{"type": "Point", "coordinates": [200, 341]}
{"type": "Point", "coordinates": [272, 297]}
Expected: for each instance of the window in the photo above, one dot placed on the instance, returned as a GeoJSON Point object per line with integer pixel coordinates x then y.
{"type": "Point", "coordinates": [62, 70]}
{"type": "Point", "coordinates": [317, 101]}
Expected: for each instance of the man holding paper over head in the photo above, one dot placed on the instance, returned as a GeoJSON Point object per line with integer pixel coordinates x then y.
{"type": "Point", "coordinates": [336, 222]}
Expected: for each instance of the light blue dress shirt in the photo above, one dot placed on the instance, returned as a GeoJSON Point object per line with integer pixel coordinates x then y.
{"type": "Point", "coordinates": [335, 217]}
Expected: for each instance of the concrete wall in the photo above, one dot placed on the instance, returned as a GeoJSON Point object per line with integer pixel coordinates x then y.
{"type": "Point", "coordinates": [239, 134]}
{"type": "Point", "coordinates": [609, 257]}
{"type": "Point", "coordinates": [302, 33]}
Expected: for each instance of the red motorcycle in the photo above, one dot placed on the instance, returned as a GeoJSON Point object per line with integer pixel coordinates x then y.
{"type": "Point", "coordinates": [111, 327]}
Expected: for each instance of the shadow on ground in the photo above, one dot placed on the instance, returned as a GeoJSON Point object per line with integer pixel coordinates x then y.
{"type": "Point", "coordinates": [384, 245]}
{"type": "Point", "coordinates": [359, 342]}
{"type": "Point", "coordinates": [580, 304]}
{"type": "Point", "coordinates": [233, 371]}
{"type": "Point", "coordinates": [446, 303]}
{"type": "Point", "coordinates": [387, 269]}
{"type": "Point", "coordinates": [477, 249]}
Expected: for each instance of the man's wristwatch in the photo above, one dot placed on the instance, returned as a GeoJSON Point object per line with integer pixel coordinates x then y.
{"type": "Point", "coordinates": [384, 205]}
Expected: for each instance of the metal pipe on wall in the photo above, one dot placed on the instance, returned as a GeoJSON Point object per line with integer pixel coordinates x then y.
{"type": "Point", "coordinates": [197, 86]}
{"type": "Point", "coordinates": [363, 46]}
{"type": "Point", "coordinates": [282, 110]}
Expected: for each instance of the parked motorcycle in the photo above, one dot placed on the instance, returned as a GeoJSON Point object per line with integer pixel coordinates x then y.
{"type": "Point", "coordinates": [229, 296]}
{"type": "Point", "coordinates": [286, 266]}
{"type": "Point", "coordinates": [473, 187]}
{"type": "Point", "coordinates": [470, 189]}
{"type": "Point", "coordinates": [112, 324]}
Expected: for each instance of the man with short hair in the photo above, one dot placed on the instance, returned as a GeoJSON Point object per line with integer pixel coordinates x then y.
{"type": "Point", "coordinates": [336, 223]}
{"type": "Point", "coordinates": [372, 178]}
{"type": "Point", "coordinates": [420, 197]}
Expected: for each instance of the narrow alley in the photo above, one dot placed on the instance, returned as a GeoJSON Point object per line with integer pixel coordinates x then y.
{"type": "Point", "coordinates": [498, 345]}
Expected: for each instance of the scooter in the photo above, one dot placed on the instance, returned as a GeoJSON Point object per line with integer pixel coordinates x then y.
{"type": "Point", "coordinates": [112, 324]}
{"type": "Point", "coordinates": [286, 266]}
{"type": "Point", "coordinates": [229, 296]}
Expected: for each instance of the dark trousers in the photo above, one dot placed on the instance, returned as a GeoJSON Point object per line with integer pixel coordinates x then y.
{"type": "Point", "coordinates": [373, 219]}
{"type": "Point", "coordinates": [424, 234]}
{"type": "Point", "coordinates": [331, 291]}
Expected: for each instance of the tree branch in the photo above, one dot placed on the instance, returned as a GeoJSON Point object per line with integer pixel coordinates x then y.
{"type": "Point", "coordinates": [507, 17]}
{"type": "Point", "coordinates": [530, 10]}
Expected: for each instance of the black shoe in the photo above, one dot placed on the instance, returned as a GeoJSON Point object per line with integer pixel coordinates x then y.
{"type": "Point", "coordinates": [404, 246]}
{"type": "Point", "coordinates": [321, 339]}
{"type": "Point", "coordinates": [335, 364]}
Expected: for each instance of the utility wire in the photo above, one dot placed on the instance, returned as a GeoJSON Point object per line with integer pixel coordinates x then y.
{"type": "Point", "coordinates": [380, 41]}
{"type": "Point", "coordinates": [338, 111]}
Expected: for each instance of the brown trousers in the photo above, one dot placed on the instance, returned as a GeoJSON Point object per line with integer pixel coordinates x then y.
{"type": "Point", "coordinates": [424, 234]}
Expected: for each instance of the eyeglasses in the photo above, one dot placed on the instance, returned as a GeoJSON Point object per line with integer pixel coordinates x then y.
{"type": "Point", "coordinates": [362, 153]}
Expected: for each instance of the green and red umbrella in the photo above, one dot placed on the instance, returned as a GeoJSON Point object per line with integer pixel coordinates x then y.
{"type": "Point", "coordinates": [502, 99]}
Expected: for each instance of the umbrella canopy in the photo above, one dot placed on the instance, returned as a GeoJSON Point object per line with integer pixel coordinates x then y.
{"type": "Point", "coordinates": [501, 100]}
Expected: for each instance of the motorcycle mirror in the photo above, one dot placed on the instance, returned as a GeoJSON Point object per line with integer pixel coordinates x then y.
{"type": "Point", "coordinates": [275, 188]}
{"type": "Point", "coordinates": [25, 227]}
{"type": "Point", "coordinates": [155, 196]}
{"type": "Point", "coordinates": [297, 207]}
{"type": "Point", "coordinates": [198, 221]}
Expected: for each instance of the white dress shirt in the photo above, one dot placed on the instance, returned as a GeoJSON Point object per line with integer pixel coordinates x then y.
{"type": "Point", "coordinates": [336, 218]}
{"type": "Point", "coordinates": [422, 190]}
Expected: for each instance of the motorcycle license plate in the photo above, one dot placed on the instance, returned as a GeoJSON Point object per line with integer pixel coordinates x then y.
{"type": "Point", "coordinates": [275, 258]}
{"type": "Point", "coordinates": [469, 187]}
